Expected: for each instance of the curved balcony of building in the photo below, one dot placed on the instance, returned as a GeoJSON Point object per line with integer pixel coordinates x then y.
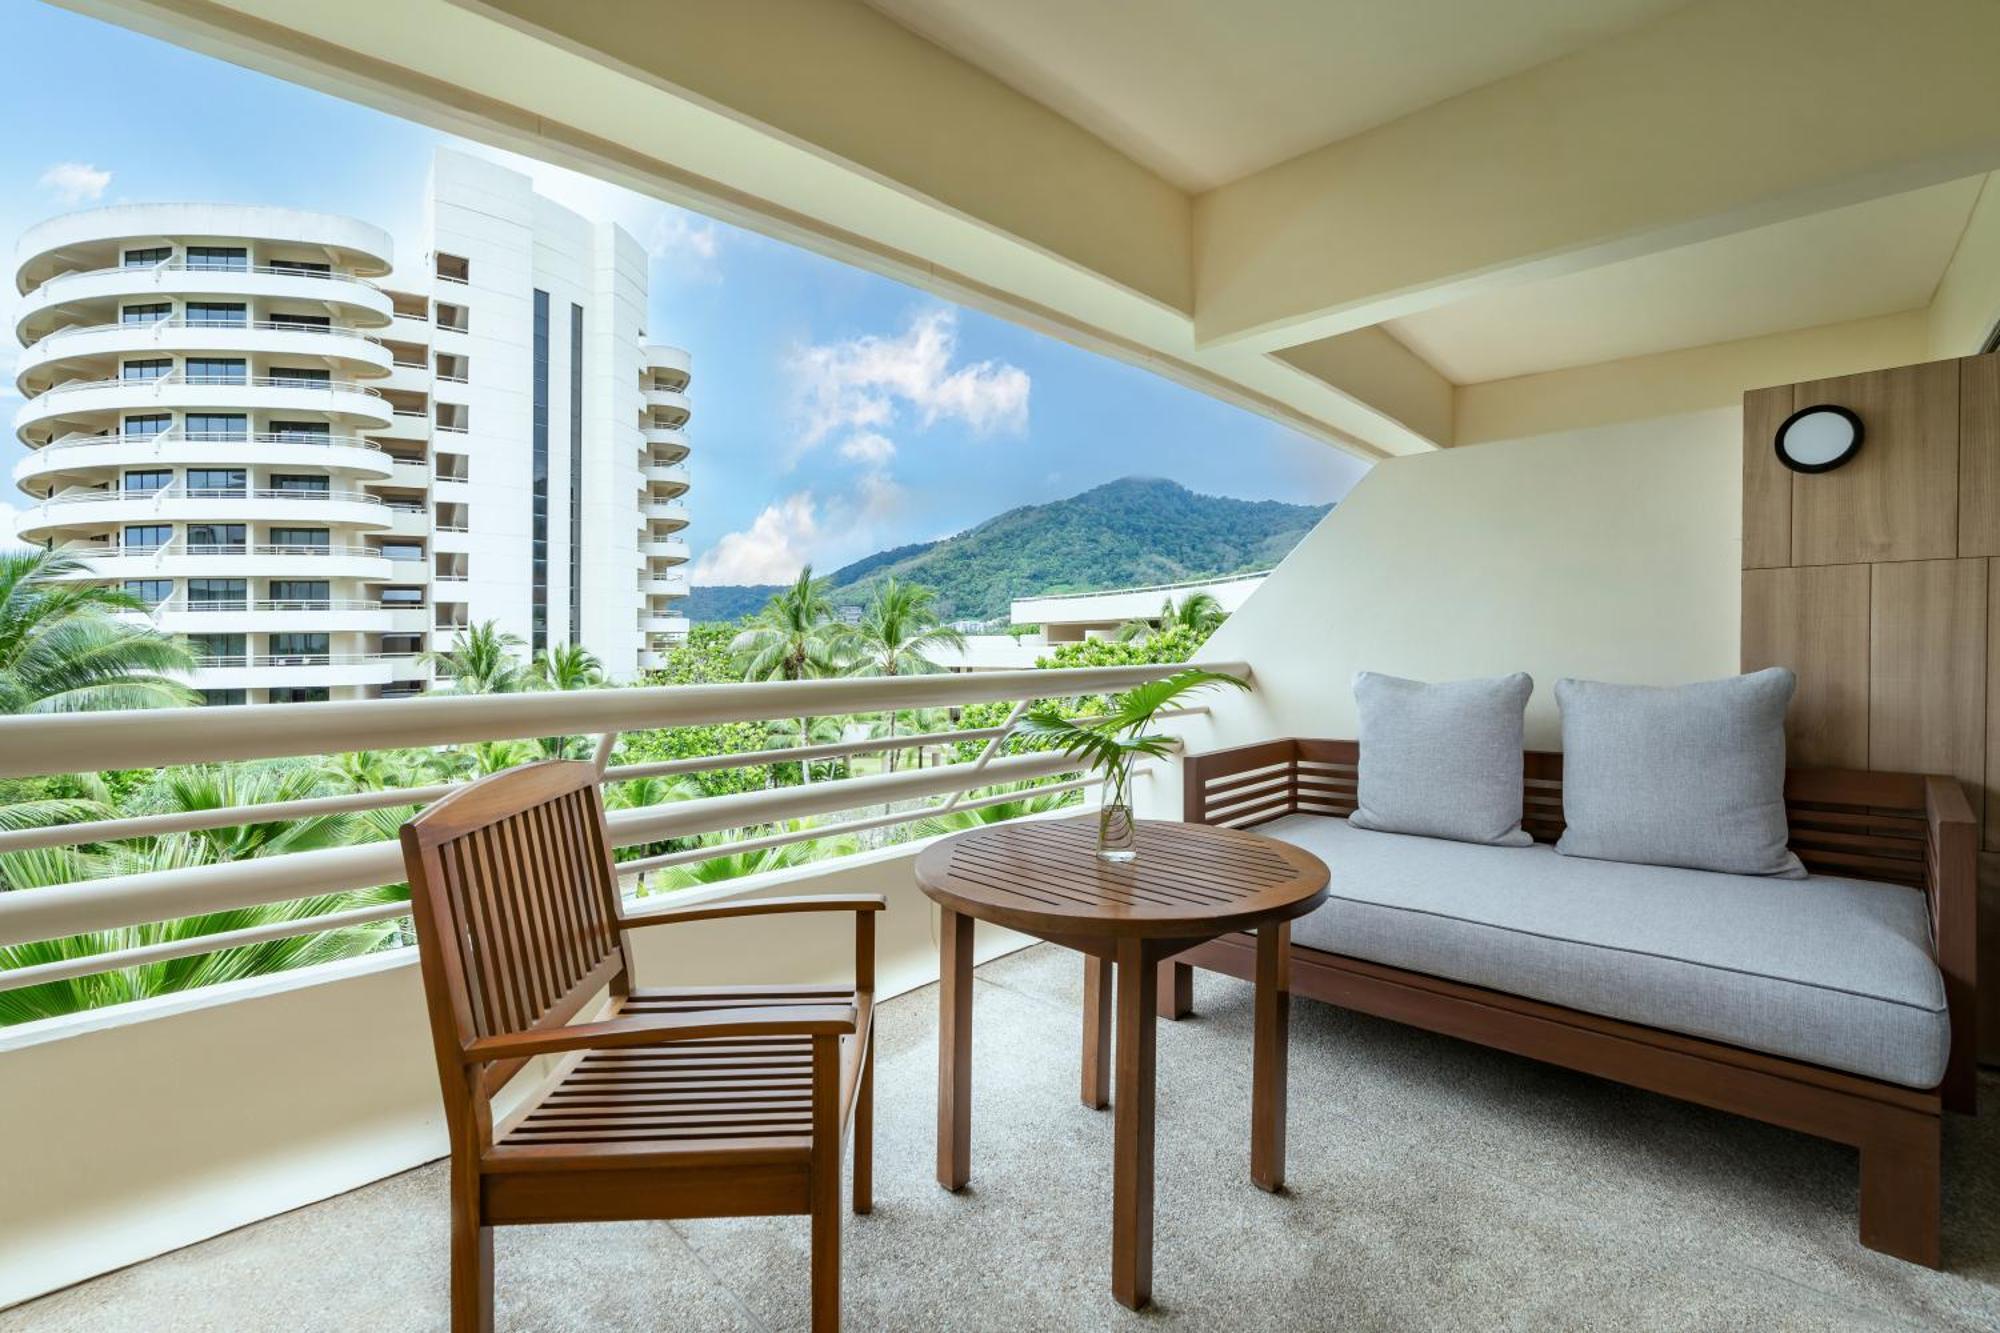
{"type": "Point", "coordinates": [666, 407]}
{"type": "Point", "coordinates": [86, 296]}
{"type": "Point", "coordinates": [664, 516]}
{"type": "Point", "coordinates": [94, 351]}
{"type": "Point", "coordinates": [669, 478]}
{"type": "Point", "coordinates": [665, 366]}
{"type": "Point", "coordinates": [96, 236]}
{"type": "Point", "coordinates": [664, 585]}
{"type": "Point", "coordinates": [322, 615]}
{"type": "Point", "coordinates": [664, 550]}
{"type": "Point", "coordinates": [178, 559]}
{"type": "Point", "coordinates": [299, 670]}
{"type": "Point", "coordinates": [87, 460]}
{"type": "Point", "coordinates": [71, 514]}
{"type": "Point", "coordinates": [95, 406]}
{"type": "Point", "coordinates": [655, 623]}
{"type": "Point", "coordinates": [665, 445]}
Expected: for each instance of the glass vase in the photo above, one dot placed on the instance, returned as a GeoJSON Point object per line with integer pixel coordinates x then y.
{"type": "Point", "coordinates": [1117, 831]}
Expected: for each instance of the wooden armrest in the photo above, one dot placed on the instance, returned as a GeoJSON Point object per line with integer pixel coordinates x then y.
{"type": "Point", "coordinates": [824, 902]}
{"type": "Point", "coordinates": [824, 1020]}
{"type": "Point", "coordinates": [1952, 878]}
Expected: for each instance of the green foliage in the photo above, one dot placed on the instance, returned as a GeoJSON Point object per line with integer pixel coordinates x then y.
{"type": "Point", "coordinates": [482, 660]}
{"type": "Point", "coordinates": [1118, 735]}
{"type": "Point", "coordinates": [1172, 645]}
{"type": "Point", "coordinates": [1198, 612]}
{"type": "Point", "coordinates": [64, 650]}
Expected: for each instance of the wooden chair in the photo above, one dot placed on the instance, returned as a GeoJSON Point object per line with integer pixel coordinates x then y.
{"type": "Point", "coordinates": [665, 1102]}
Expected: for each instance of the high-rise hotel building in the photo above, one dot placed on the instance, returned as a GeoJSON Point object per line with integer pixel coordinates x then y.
{"type": "Point", "coordinates": [317, 465]}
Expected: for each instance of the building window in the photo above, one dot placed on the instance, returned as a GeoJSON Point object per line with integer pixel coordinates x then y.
{"type": "Point", "coordinates": [402, 551]}
{"type": "Point", "coordinates": [302, 594]}
{"type": "Point", "coordinates": [455, 318]}
{"type": "Point", "coordinates": [220, 649]}
{"type": "Point", "coordinates": [150, 591]}
{"type": "Point", "coordinates": [218, 594]}
{"type": "Point", "coordinates": [538, 477]}
{"type": "Point", "coordinates": [217, 538]}
{"type": "Point", "coordinates": [152, 368]}
{"type": "Point", "coordinates": [148, 257]}
{"type": "Point", "coordinates": [146, 483]}
{"type": "Point", "coordinates": [307, 646]}
{"type": "Point", "coordinates": [216, 370]}
{"type": "Point", "coordinates": [308, 267]}
{"type": "Point", "coordinates": [317, 538]}
{"type": "Point", "coordinates": [147, 536]}
{"type": "Point", "coordinates": [402, 596]}
{"type": "Point", "coordinates": [150, 313]}
{"type": "Point", "coordinates": [454, 268]}
{"type": "Point", "coordinates": [213, 258]}
{"type": "Point", "coordinates": [576, 474]}
{"type": "Point", "coordinates": [215, 481]}
{"type": "Point", "coordinates": [217, 314]}
{"type": "Point", "coordinates": [224, 698]}
{"type": "Point", "coordinates": [300, 694]}
{"type": "Point", "coordinates": [301, 431]}
{"type": "Point", "coordinates": [147, 426]}
{"type": "Point", "coordinates": [217, 426]}
{"type": "Point", "coordinates": [301, 375]}
{"type": "Point", "coordinates": [287, 320]}
{"type": "Point", "coordinates": [456, 417]}
{"type": "Point", "coordinates": [299, 483]}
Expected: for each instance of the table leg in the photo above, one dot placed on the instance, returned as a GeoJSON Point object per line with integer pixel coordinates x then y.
{"type": "Point", "coordinates": [1132, 1106]}
{"type": "Point", "coordinates": [954, 1127]}
{"type": "Point", "coordinates": [1268, 1058]}
{"type": "Point", "coordinates": [1097, 986]}
{"type": "Point", "coordinates": [1176, 989]}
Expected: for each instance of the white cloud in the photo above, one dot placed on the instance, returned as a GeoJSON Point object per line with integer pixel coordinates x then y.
{"type": "Point", "coordinates": [75, 182]}
{"type": "Point", "coordinates": [685, 244]}
{"type": "Point", "coordinates": [773, 549]}
{"type": "Point", "coordinates": [862, 384]}
{"type": "Point", "coordinates": [868, 447]}
{"type": "Point", "coordinates": [10, 515]}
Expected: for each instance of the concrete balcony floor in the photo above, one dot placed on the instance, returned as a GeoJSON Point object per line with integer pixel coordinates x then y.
{"type": "Point", "coordinates": [1431, 1185]}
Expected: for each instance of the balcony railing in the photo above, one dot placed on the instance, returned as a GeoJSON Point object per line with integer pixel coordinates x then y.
{"type": "Point", "coordinates": [177, 378]}
{"type": "Point", "coordinates": [63, 743]}
{"type": "Point", "coordinates": [80, 439]}
{"type": "Point", "coordinates": [183, 266]}
{"type": "Point", "coordinates": [182, 322]}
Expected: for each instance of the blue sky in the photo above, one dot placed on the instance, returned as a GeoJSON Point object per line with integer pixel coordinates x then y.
{"type": "Point", "coordinates": [835, 412]}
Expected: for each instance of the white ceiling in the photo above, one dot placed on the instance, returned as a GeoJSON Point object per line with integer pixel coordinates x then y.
{"type": "Point", "coordinates": [1206, 91]}
{"type": "Point", "coordinates": [1875, 258]}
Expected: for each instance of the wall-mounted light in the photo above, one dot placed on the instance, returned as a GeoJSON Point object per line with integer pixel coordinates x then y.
{"type": "Point", "coordinates": [1818, 438]}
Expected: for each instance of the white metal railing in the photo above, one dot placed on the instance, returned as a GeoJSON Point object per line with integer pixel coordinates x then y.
{"type": "Point", "coordinates": [175, 435]}
{"type": "Point", "coordinates": [246, 659]}
{"type": "Point", "coordinates": [248, 605]}
{"type": "Point", "coordinates": [167, 322]}
{"type": "Point", "coordinates": [178, 378]}
{"type": "Point", "coordinates": [177, 491]}
{"type": "Point", "coordinates": [59, 743]}
{"type": "Point", "coordinates": [183, 266]}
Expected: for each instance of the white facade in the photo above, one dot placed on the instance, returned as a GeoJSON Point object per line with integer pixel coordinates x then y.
{"type": "Point", "coordinates": [319, 476]}
{"type": "Point", "coordinates": [1071, 616]}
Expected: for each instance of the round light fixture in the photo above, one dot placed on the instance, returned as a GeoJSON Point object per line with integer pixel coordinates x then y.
{"type": "Point", "coordinates": [1818, 438]}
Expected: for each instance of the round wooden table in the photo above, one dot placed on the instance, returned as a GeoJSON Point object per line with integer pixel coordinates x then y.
{"type": "Point", "coordinates": [1190, 884]}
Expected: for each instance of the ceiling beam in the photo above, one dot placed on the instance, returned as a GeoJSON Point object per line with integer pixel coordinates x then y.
{"type": "Point", "coordinates": [1720, 116]}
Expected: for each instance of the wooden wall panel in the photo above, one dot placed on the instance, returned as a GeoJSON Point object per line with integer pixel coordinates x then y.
{"type": "Point", "coordinates": [1767, 483]}
{"type": "Point", "coordinates": [1898, 498]}
{"type": "Point", "coordinates": [1815, 621]}
{"type": "Point", "coordinates": [1993, 722]}
{"type": "Point", "coordinates": [1979, 455]}
{"type": "Point", "coordinates": [1927, 669]}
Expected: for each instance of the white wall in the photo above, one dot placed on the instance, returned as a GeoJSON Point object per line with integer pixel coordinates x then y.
{"type": "Point", "coordinates": [1610, 553]}
{"type": "Point", "coordinates": [183, 1118]}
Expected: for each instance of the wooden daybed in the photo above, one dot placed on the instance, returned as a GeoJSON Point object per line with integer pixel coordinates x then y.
{"type": "Point", "coordinates": [1904, 829]}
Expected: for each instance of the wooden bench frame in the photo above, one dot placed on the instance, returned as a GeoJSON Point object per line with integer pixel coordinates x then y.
{"type": "Point", "coordinates": [1902, 828]}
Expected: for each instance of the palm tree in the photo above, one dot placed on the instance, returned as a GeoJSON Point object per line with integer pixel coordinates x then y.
{"type": "Point", "coordinates": [1029, 802]}
{"type": "Point", "coordinates": [481, 660]}
{"type": "Point", "coordinates": [735, 865]}
{"type": "Point", "coordinates": [63, 649]}
{"type": "Point", "coordinates": [1199, 613]}
{"type": "Point", "coordinates": [366, 770]}
{"type": "Point", "coordinates": [795, 637]}
{"type": "Point", "coordinates": [897, 633]}
{"type": "Point", "coordinates": [568, 666]}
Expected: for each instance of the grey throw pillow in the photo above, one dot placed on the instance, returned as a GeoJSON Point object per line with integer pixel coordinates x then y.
{"type": "Point", "coordinates": [1441, 761]}
{"type": "Point", "coordinates": [1692, 775]}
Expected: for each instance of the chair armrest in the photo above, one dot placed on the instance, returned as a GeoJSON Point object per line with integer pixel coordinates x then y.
{"type": "Point", "coordinates": [826, 902]}
{"type": "Point", "coordinates": [1952, 880]}
{"type": "Point", "coordinates": [825, 1020]}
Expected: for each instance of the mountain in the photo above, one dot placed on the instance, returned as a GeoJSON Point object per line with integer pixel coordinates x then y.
{"type": "Point", "coordinates": [1137, 530]}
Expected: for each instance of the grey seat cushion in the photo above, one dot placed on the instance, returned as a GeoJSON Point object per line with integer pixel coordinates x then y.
{"type": "Point", "coordinates": [1441, 760]}
{"type": "Point", "coordinates": [1832, 971]}
{"type": "Point", "coordinates": [1686, 775]}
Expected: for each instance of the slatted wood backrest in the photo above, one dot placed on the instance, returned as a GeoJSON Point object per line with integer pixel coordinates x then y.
{"type": "Point", "coordinates": [1843, 821]}
{"type": "Point", "coordinates": [516, 905]}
